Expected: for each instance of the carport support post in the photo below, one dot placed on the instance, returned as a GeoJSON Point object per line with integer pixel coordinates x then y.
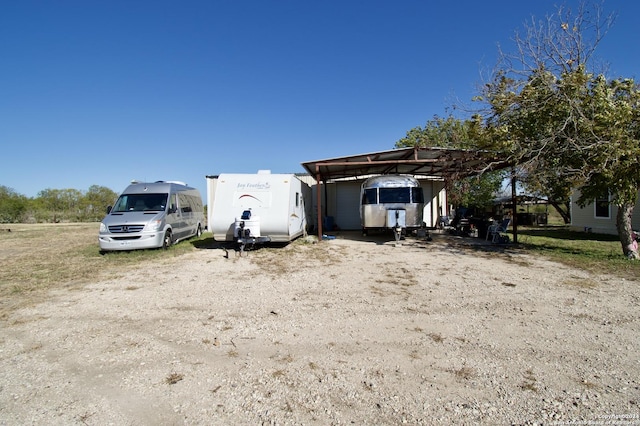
{"type": "Point", "coordinates": [514, 201]}
{"type": "Point", "coordinates": [319, 186]}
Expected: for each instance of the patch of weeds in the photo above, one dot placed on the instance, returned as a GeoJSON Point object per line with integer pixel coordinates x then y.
{"type": "Point", "coordinates": [286, 358]}
{"type": "Point", "coordinates": [377, 290]}
{"type": "Point", "coordinates": [464, 373]}
{"type": "Point", "coordinates": [368, 385]}
{"type": "Point", "coordinates": [233, 353]}
{"type": "Point", "coordinates": [409, 282]}
{"type": "Point", "coordinates": [586, 283]}
{"type": "Point", "coordinates": [414, 354]}
{"type": "Point", "coordinates": [173, 378]}
{"type": "Point", "coordinates": [83, 418]}
{"type": "Point", "coordinates": [436, 337]}
{"type": "Point", "coordinates": [131, 287]}
{"type": "Point", "coordinates": [529, 383]}
{"type": "Point", "coordinates": [518, 261]}
{"type": "Point", "coordinates": [402, 277]}
{"type": "Point", "coordinates": [583, 316]}
{"type": "Point", "coordinates": [278, 373]}
{"type": "Point", "coordinates": [587, 384]}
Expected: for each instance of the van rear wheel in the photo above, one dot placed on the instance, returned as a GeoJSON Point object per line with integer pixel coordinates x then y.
{"type": "Point", "coordinates": [166, 242]}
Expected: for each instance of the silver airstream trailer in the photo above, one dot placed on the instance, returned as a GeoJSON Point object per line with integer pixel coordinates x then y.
{"type": "Point", "coordinates": [393, 202]}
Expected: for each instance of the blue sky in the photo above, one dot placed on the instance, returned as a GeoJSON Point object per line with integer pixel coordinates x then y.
{"type": "Point", "coordinates": [103, 92]}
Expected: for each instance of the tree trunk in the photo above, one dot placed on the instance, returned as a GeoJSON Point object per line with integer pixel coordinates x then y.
{"type": "Point", "coordinates": [625, 231]}
{"type": "Point", "coordinates": [564, 213]}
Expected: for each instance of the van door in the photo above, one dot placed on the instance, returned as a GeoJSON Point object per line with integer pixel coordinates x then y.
{"type": "Point", "coordinates": [174, 216]}
{"type": "Point", "coordinates": [187, 215]}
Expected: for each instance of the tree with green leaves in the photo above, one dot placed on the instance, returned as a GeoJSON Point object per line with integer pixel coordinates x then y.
{"type": "Point", "coordinates": [565, 125]}
{"type": "Point", "coordinates": [450, 132]}
{"type": "Point", "coordinates": [12, 205]}
{"type": "Point", "coordinates": [95, 201]}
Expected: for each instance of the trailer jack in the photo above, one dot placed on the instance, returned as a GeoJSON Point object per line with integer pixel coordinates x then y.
{"type": "Point", "coordinates": [397, 233]}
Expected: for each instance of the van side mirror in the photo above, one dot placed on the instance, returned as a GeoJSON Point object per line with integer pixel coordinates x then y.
{"type": "Point", "coordinates": [172, 209]}
{"type": "Point", "coordinates": [109, 209]}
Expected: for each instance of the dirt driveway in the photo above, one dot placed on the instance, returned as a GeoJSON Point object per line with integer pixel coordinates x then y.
{"type": "Point", "coordinates": [349, 331]}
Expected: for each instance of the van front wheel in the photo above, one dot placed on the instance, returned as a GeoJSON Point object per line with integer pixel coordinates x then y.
{"type": "Point", "coordinates": [166, 243]}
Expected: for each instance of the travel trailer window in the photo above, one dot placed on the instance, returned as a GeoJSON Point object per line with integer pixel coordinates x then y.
{"type": "Point", "coordinates": [417, 195]}
{"type": "Point", "coordinates": [370, 196]}
{"type": "Point", "coordinates": [140, 202]}
{"type": "Point", "coordinates": [395, 195]}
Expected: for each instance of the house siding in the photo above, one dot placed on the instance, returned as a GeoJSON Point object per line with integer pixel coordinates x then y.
{"type": "Point", "coordinates": [584, 219]}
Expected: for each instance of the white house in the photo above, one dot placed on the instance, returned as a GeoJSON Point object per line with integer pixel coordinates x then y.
{"type": "Point", "coordinates": [598, 216]}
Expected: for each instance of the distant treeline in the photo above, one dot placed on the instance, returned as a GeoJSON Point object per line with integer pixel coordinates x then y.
{"type": "Point", "coordinates": [55, 205]}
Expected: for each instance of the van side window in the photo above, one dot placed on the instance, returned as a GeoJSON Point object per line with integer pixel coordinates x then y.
{"type": "Point", "coordinates": [185, 205]}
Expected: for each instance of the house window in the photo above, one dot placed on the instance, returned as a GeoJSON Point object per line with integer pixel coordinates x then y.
{"type": "Point", "coordinates": [602, 207]}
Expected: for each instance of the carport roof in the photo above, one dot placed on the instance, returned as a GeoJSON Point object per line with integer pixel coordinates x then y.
{"type": "Point", "coordinates": [431, 162]}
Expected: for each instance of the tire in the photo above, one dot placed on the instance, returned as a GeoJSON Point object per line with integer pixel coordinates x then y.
{"type": "Point", "coordinates": [168, 240]}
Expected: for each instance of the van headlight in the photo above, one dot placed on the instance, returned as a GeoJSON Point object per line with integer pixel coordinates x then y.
{"type": "Point", "coordinates": [103, 227]}
{"type": "Point", "coordinates": [154, 225]}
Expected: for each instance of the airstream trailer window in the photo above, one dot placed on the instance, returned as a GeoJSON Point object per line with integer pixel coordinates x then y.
{"type": "Point", "coordinates": [140, 202]}
{"type": "Point", "coordinates": [370, 196]}
{"type": "Point", "coordinates": [417, 195]}
{"type": "Point", "coordinates": [395, 195]}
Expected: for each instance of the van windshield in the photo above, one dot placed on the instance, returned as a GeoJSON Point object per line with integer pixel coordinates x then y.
{"type": "Point", "coordinates": [140, 203]}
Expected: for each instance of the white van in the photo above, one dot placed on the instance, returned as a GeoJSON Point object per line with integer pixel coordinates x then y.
{"type": "Point", "coordinates": [152, 215]}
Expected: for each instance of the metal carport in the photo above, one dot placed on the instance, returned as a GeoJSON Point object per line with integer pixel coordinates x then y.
{"type": "Point", "coordinates": [446, 163]}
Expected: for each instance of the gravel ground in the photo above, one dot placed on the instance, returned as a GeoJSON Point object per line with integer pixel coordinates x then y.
{"type": "Point", "coordinates": [349, 331]}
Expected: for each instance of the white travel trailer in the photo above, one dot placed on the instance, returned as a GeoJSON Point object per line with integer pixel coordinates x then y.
{"type": "Point", "coordinates": [152, 215]}
{"type": "Point", "coordinates": [257, 208]}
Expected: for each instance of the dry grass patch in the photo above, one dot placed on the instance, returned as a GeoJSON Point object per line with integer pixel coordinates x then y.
{"type": "Point", "coordinates": [586, 283]}
{"type": "Point", "coordinates": [173, 378]}
{"type": "Point", "coordinates": [278, 260]}
{"type": "Point", "coordinates": [464, 373]}
{"type": "Point", "coordinates": [36, 258]}
{"type": "Point", "coordinates": [436, 337]}
{"type": "Point", "coordinates": [279, 373]}
{"type": "Point", "coordinates": [529, 382]}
